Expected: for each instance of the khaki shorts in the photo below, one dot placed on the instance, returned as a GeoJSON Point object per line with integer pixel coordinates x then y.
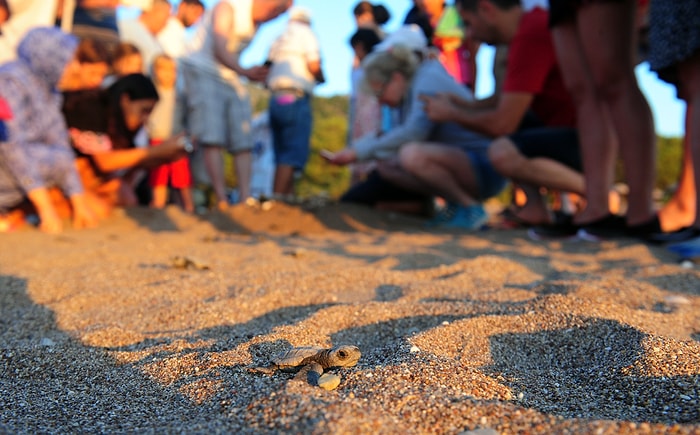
{"type": "Point", "coordinates": [218, 111]}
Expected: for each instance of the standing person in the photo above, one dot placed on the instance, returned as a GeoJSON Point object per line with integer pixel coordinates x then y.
{"type": "Point", "coordinates": [295, 71]}
{"type": "Point", "coordinates": [365, 115]}
{"type": "Point", "coordinates": [97, 19]}
{"type": "Point", "coordinates": [365, 112]}
{"type": "Point", "coordinates": [219, 112]}
{"type": "Point", "coordinates": [441, 25]}
{"type": "Point", "coordinates": [173, 37]}
{"type": "Point", "coordinates": [674, 42]}
{"type": "Point", "coordinates": [35, 153]}
{"type": "Point", "coordinates": [143, 31]}
{"type": "Point", "coordinates": [160, 128]}
{"type": "Point", "coordinates": [596, 45]}
{"type": "Point", "coordinates": [371, 16]}
{"type": "Point", "coordinates": [24, 15]}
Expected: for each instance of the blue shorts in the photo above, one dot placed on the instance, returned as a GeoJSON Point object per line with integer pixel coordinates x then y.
{"type": "Point", "coordinates": [290, 122]}
{"type": "Point", "coordinates": [491, 183]}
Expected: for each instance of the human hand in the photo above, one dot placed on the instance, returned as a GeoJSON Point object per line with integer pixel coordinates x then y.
{"type": "Point", "coordinates": [257, 73]}
{"type": "Point", "coordinates": [343, 157]}
{"type": "Point", "coordinates": [171, 149]}
{"type": "Point", "coordinates": [89, 142]}
{"type": "Point", "coordinates": [439, 108]}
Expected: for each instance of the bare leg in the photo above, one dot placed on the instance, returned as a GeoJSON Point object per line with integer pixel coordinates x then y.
{"type": "Point", "coordinates": [447, 171]}
{"type": "Point", "coordinates": [679, 211]}
{"type": "Point", "coordinates": [284, 180]}
{"type": "Point", "coordinates": [214, 165]}
{"type": "Point", "coordinates": [609, 44]}
{"type": "Point", "coordinates": [398, 176]}
{"type": "Point", "coordinates": [160, 196]}
{"type": "Point", "coordinates": [244, 168]}
{"type": "Point", "coordinates": [186, 199]}
{"type": "Point", "coordinates": [538, 171]}
{"type": "Point", "coordinates": [690, 90]}
{"type": "Point", "coordinates": [535, 210]}
{"type": "Point", "coordinates": [595, 130]}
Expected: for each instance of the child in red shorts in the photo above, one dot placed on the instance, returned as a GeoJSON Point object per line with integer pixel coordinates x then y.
{"type": "Point", "coordinates": [160, 127]}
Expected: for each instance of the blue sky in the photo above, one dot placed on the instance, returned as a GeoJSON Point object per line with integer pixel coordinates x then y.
{"type": "Point", "coordinates": [334, 24]}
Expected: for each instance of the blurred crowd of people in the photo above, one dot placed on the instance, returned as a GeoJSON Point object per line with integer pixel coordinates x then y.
{"type": "Point", "coordinates": [566, 108]}
{"type": "Point", "coordinates": [99, 112]}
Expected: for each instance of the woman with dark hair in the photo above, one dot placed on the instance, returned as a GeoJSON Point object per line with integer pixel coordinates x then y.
{"type": "Point", "coordinates": [104, 125]}
{"type": "Point", "coordinates": [371, 16]}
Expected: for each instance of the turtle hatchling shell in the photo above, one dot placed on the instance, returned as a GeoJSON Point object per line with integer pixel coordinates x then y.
{"type": "Point", "coordinates": [295, 356]}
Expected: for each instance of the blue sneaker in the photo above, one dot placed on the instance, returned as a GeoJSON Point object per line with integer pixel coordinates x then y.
{"type": "Point", "coordinates": [469, 218]}
{"type": "Point", "coordinates": [444, 214]}
{"type": "Point", "coordinates": [689, 249]}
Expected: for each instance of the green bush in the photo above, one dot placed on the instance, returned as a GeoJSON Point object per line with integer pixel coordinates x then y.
{"type": "Point", "coordinates": [668, 162]}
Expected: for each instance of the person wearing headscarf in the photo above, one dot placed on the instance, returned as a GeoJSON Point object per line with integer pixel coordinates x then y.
{"type": "Point", "coordinates": [35, 152]}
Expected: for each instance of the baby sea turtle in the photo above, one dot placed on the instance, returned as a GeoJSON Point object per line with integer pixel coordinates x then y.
{"type": "Point", "coordinates": [297, 358]}
{"type": "Point", "coordinates": [182, 262]}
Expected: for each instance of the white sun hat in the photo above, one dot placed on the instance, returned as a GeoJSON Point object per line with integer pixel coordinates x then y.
{"type": "Point", "coordinates": [409, 35]}
{"type": "Point", "coordinates": [298, 13]}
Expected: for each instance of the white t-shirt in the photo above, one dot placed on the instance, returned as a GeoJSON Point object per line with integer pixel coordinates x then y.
{"type": "Point", "coordinates": [135, 32]}
{"type": "Point", "coordinates": [290, 54]}
{"type": "Point", "coordinates": [200, 49]}
{"type": "Point", "coordinates": [173, 38]}
{"type": "Point", "coordinates": [26, 14]}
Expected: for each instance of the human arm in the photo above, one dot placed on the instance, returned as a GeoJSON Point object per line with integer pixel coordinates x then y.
{"type": "Point", "coordinates": [315, 69]}
{"type": "Point", "coordinates": [313, 57]}
{"type": "Point", "coordinates": [415, 126]}
{"type": "Point", "coordinates": [122, 159]}
{"type": "Point", "coordinates": [223, 22]}
{"type": "Point", "coordinates": [500, 120]}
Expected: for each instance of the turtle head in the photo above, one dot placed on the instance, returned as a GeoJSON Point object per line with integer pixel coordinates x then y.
{"type": "Point", "coordinates": [345, 356]}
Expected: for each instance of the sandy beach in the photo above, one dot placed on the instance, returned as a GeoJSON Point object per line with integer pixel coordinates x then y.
{"type": "Point", "coordinates": [103, 331]}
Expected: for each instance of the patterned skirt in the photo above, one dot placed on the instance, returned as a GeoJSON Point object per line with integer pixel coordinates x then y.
{"type": "Point", "coordinates": [674, 35]}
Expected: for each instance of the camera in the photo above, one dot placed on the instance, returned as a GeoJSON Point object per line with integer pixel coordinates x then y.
{"type": "Point", "coordinates": [186, 144]}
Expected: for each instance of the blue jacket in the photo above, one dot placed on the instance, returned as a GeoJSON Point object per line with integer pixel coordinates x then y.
{"type": "Point", "coordinates": [36, 151]}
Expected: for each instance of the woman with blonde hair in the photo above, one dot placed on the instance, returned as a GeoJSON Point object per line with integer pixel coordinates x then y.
{"type": "Point", "coordinates": [419, 155]}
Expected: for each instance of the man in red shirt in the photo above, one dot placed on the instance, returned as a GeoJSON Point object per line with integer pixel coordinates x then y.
{"type": "Point", "coordinates": [547, 153]}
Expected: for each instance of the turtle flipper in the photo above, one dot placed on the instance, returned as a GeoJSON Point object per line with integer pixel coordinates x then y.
{"type": "Point", "coordinates": [265, 370]}
{"type": "Point", "coordinates": [310, 373]}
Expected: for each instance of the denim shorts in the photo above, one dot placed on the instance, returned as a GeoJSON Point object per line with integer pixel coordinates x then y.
{"type": "Point", "coordinates": [290, 122]}
{"type": "Point", "coordinates": [491, 183]}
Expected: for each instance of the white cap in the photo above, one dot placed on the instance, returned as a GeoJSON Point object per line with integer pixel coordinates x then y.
{"type": "Point", "coordinates": [298, 13]}
{"type": "Point", "coordinates": [409, 35]}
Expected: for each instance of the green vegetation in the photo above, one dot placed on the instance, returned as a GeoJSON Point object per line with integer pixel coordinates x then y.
{"type": "Point", "coordinates": [668, 162]}
{"type": "Point", "coordinates": [329, 133]}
